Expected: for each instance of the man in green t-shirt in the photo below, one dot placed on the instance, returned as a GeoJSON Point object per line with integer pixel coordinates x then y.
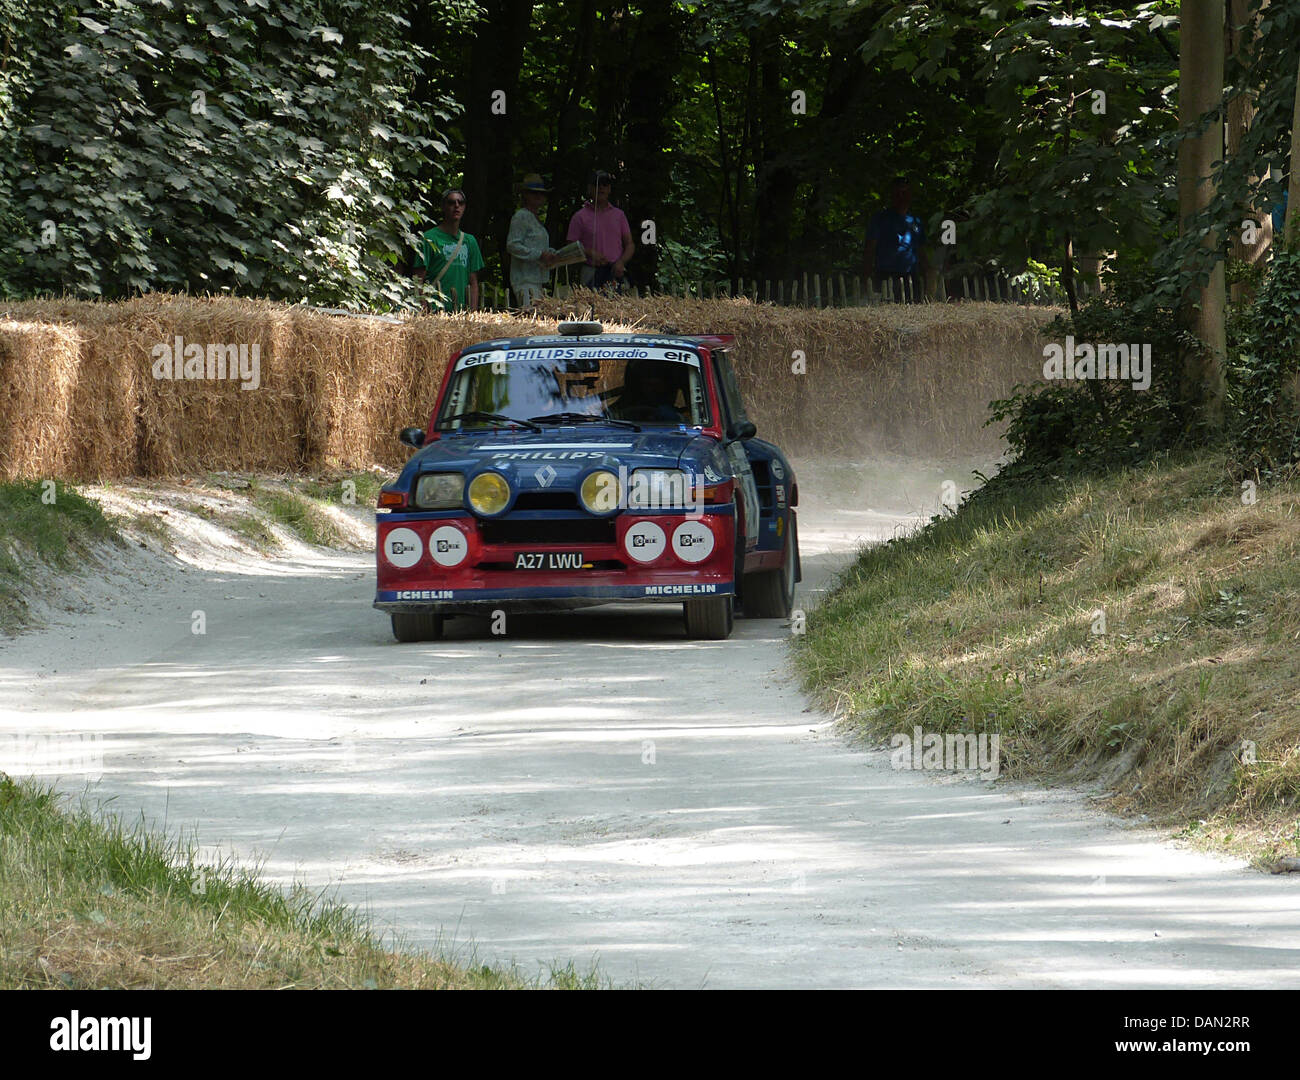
{"type": "Point", "coordinates": [450, 259]}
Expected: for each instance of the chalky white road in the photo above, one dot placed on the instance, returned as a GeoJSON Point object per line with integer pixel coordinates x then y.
{"type": "Point", "coordinates": [594, 788]}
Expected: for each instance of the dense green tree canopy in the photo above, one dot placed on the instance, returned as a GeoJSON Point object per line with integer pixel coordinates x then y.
{"type": "Point", "coordinates": [294, 149]}
{"type": "Point", "coordinates": [212, 145]}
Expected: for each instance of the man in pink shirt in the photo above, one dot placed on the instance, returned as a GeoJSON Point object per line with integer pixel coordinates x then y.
{"type": "Point", "coordinates": [603, 232]}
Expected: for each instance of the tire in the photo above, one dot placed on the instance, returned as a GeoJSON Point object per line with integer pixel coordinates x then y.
{"type": "Point", "coordinates": [769, 594]}
{"type": "Point", "coordinates": [710, 618]}
{"type": "Point", "coordinates": [416, 626]}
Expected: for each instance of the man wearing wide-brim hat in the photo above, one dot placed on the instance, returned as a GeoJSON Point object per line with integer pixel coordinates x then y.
{"type": "Point", "coordinates": [529, 245]}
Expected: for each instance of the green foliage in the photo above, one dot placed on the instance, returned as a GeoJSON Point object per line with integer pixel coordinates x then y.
{"type": "Point", "coordinates": [54, 527]}
{"type": "Point", "coordinates": [267, 148]}
{"type": "Point", "coordinates": [327, 129]}
{"type": "Point", "coordinates": [792, 191]}
{"type": "Point", "coordinates": [1094, 425]}
{"type": "Point", "coordinates": [1263, 373]}
{"type": "Point", "coordinates": [301, 514]}
{"type": "Point", "coordinates": [1078, 103]}
{"type": "Point", "coordinates": [1039, 282]}
{"type": "Point", "coordinates": [364, 489]}
{"type": "Point", "coordinates": [1252, 180]}
{"type": "Point", "coordinates": [682, 265]}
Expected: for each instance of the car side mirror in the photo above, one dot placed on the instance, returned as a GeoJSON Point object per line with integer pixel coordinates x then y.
{"type": "Point", "coordinates": [742, 430]}
{"type": "Point", "coordinates": [413, 436]}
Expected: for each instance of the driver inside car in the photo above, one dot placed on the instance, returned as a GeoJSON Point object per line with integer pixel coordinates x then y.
{"type": "Point", "coordinates": [650, 389]}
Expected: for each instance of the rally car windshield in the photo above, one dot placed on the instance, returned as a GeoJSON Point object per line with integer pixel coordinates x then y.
{"type": "Point", "coordinates": [651, 387]}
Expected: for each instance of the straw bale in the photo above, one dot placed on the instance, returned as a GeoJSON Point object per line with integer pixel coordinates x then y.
{"type": "Point", "coordinates": [193, 425]}
{"type": "Point", "coordinates": [38, 374]}
{"type": "Point", "coordinates": [81, 400]}
{"type": "Point", "coordinates": [907, 378]}
{"type": "Point", "coordinates": [99, 439]}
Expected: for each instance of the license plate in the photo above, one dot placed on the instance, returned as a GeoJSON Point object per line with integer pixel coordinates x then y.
{"type": "Point", "coordinates": [548, 560]}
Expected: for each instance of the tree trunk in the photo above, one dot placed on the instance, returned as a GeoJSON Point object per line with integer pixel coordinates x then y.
{"type": "Point", "coordinates": [613, 62]}
{"type": "Point", "coordinates": [1092, 266]}
{"type": "Point", "coordinates": [1241, 114]}
{"type": "Point", "coordinates": [573, 159]}
{"type": "Point", "coordinates": [1067, 276]}
{"type": "Point", "coordinates": [652, 93]}
{"type": "Point", "coordinates": [495, 59]}
{"type": "Point", "coordinates": [776, 180]}
{"type": "Point", "coordinates": [1292, 227]}
{"type": "Point", "coordinates": [1072, 298]}
{"type": "Point", "coordinates": [732, 212]}
{"type": "Point", "coordinates": [843, 88]}
{"type": "Point", "coordinates": [1200, 87]}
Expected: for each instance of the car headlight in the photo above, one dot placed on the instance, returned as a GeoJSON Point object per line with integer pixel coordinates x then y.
{"type": "Point", "coordinates": [600, 492]}
{"type": "Point", "coordinates": [489, 494]}
{"type": "Point", "coordinates": [661, 489]}
{"type": "Point", "coordinates": [440, 491]}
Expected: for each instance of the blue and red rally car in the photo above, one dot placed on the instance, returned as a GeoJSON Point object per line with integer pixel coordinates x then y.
{"type": "Point", "coordinates": [588, 468]}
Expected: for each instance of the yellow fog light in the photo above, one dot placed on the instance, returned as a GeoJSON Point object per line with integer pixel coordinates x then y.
{"type": "Point", "coordinates": [489, 494]}
{"type": "Point", "coordinates": [600, 492]}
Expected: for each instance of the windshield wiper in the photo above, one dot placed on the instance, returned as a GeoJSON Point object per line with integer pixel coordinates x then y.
{"type": "Point", "coordinates": [443, 425]}
{"type": "Point", "coordinates": [587, 417]}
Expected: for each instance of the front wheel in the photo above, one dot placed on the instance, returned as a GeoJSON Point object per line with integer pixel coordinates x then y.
{"type": "Point", "coordinates": [709, 618]}
{"type": "Point", "coordinates": [769, 594]}
{"type": "Point", "coordinates": [416, 626]}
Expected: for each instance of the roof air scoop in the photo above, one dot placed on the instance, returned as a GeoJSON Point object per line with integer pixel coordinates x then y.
{"type": "Point", "coordinates": [577, 329]}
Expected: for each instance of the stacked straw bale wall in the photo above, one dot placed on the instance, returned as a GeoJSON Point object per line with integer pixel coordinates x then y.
{"type": "Point", "coordinates": [898, 378]}
{"type": "Point", "coordinates": [78, 396]}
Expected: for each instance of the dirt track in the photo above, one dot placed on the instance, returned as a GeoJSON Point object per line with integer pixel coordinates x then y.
{"type": "Point", "coordinates": [593, 786]}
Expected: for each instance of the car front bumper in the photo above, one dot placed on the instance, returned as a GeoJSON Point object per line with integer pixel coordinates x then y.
{"type": "Point", "coordinates": [482, 577]}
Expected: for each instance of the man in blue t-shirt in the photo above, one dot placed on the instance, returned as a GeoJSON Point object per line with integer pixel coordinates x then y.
{"type": "Point", "coordinates": [895, 255]}
{"type": "Point", "coordinates": [1279, 217]}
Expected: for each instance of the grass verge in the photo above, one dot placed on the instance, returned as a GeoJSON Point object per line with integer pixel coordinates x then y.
{"type": "Point", "coordinates": [47, 521]}
{"type": "Point", "coordinates": [299, 513]}
{"type": "Point", "coordinates": [250, 528]}
{"type": "Point", "coordinates": [300, 505]}
{"type": "Point", "coordinates": [86, 903]}
{"type": "Point", "coordinates": [344, 489]}
{"type": "Point", "coordinates": [1138, 629]}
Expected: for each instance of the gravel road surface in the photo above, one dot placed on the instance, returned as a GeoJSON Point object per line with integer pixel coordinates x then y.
{"type": "Point", "coordinates": [592, 787]}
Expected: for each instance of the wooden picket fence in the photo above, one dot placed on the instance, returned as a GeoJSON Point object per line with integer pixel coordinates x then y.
{"type": "Point", "coordinates": [836, 290]}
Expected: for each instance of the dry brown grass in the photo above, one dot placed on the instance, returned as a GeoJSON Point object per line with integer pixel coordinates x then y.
{"type": "Point", "coordinates": [80, 399]}
{"type": "Point", "coordinates": [166, 946]}
{"type": "Point", "coordinates": [86, 903]}
{"type": "Point", "coordinates": [987, 621]}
